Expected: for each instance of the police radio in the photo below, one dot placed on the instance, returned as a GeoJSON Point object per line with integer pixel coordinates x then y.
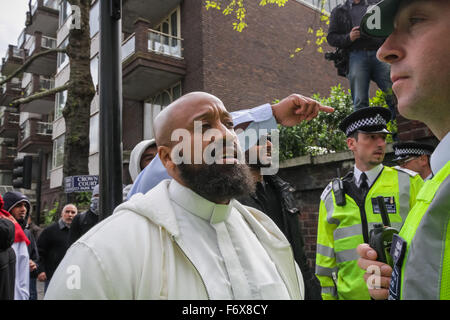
{"type": "Point", "coordinates": [381, 235]}
{"type": "Point", "coordinates": [338, 190]}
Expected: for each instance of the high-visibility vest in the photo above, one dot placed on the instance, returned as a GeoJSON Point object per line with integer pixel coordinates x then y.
{"type": "Point", "coordinates": [342, 228]}
{"type": "Point", "coordinates": [422, 251]}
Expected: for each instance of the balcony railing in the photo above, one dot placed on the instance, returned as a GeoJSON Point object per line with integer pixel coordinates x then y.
{"type": "Point", "coordinates": [8, 117]}
{"type": "Point", "coordinates": [34, 126]}
{"type": "Point", "coordinates": [158, 42]}
{"type": "Point", "coordinates": [164, 43]}
{"type": "Point", "coordinates": [128, 47]}
{"type": "Point", "coordinates": [7, 151]}
{"type": "Point", "coordinates": [13, 84]}
{"type": "Point", "coordinates": [48, 43]}
{"type": "Point", "coordinates": [16, 52]}
{"type": "Point", "coordinates": [44, 84]}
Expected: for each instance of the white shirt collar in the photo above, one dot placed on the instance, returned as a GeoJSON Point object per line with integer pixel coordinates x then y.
{"type": "Point", "coordinates": [441, 154]}
{"type": "Point", "coordinates": [197, 205]}
{"type": "Point", "coordinates": [372, 174]}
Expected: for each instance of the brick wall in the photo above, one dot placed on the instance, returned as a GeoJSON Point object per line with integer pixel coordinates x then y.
{"type": "Point", "coordinates": [253, 67]}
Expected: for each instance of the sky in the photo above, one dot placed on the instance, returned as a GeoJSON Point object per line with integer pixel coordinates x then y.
{"type": "Point", "coordinates": [12, 22]}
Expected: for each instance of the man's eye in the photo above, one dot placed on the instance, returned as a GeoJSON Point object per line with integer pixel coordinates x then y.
{"type": "Point", "coordinates": [415, 20]}
{"type": "Point", "coordinates": [229, 124]}
{"type": "Point", "coordinates": [206, 125]}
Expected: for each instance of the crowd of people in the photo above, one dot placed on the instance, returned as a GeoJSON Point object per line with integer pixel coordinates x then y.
{"type": "Point", "coordinates": [224, 230]}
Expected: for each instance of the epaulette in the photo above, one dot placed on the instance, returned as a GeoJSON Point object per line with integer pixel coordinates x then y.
{"type": "Point", "coordinates": [326, 192]}
{"type": "Point", "coordinates": [410, 172]}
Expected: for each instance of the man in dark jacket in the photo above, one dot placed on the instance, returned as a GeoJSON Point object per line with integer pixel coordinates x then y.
{"type": "Point", "coordinates": [7, 259]}
{"type": "Point", "coordinates": [85, 220]}
{"type": "Point", "coordinates": [19, 206]}
{"type": "Point", "coordinates": [52, 244]}
{"type": "Point", "coordinates": [275, 198]}
{"type": "Point", "coordinates": [363, 66]}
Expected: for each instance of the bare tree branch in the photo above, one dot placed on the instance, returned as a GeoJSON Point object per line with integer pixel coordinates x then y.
{"type": "Point", "coordinates": [40, 95]}
{"type": "Point", "coordinates": [23, 67]}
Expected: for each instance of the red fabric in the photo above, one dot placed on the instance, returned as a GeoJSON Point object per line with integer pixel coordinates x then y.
{"type": "Point", "coordinates": [19, 234]}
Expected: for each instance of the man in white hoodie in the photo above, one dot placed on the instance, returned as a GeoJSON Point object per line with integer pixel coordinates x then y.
{"type": "Point", "coordinates": [141, 155]}
{"type": "Point", "coordinates": [187, 238]}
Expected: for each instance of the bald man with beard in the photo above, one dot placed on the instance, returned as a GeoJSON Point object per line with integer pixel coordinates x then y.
{"type": "Point", "coordinates": [187, 238]}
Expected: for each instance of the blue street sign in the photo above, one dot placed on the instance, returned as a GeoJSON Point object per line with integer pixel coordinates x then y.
{"type": "Point", "coordinates": [80, 183]}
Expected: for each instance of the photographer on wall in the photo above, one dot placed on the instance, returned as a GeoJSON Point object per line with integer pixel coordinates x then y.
{"type": "Point", "coordinates": [356, 54]}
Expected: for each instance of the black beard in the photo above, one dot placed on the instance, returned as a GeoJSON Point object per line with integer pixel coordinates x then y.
{"type": "Point", "coordinates": [218, 182]}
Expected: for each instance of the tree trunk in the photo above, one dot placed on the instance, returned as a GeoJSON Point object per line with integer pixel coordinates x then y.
{"type": "Point", "coordinates": [79, 96]}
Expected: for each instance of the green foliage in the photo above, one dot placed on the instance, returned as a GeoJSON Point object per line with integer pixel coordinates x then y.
{"type": "Point", "coordinates": [322, 134]}
{"type": "Point", "coordinates": [83, 201]}
{"type": "Point", "coordinates": [51, 215]}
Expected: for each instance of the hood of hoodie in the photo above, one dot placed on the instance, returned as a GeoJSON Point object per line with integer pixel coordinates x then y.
{"type": "Point", "coordinates": [7, 230]}
{"type": "Point", "coordinates": [11, 199]}
{"type": "Point", "coordinates": [135, 157]}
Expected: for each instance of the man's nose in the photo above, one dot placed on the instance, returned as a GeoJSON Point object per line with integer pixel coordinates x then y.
{"type": "Point", "coordinates": [391, 50]}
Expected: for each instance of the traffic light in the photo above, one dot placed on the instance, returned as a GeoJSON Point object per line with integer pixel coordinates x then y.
{"type": "Point", "coordinates": [22, 172]}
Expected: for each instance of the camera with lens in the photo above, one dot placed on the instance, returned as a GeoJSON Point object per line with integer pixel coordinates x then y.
{"type": "Point", "coordinates": [340, 58]}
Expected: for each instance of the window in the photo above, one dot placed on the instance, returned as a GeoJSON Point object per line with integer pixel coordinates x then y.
{"type": "Point", "coordinates": [167, 38]}
{"type": "Point", "coordinates": [94, 15]}
{"type": "Point", "coordinates": [63, 59]}
{"type": "Point", "coordinates": [64, 11]}
{"type": "Point", "coordinates": [60, 102]}
{"type": "Point", "coordinates": [58, 152]}
{"type": "Point", "coordinates": [156, 104]}
{"type": "Point", "coordinates": [94, 134]}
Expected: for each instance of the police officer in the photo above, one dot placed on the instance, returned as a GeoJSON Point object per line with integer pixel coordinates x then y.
{"type": "Point", "coordinates": [414, 156]}
{"type": "Point", "coordinates": [348, 207]}
{"type": "Point", "coordinates": [418, 49]}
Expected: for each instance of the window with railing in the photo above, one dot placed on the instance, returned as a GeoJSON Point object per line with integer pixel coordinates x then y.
{"type": "Point", "coordinates": [166, 37]}
{"type": "Point", "coordinates": [46, 83]}
{"type": "Point", "coordinates": [58, 152]}
{"type": "Point", "coordinates": [48, 43]}
{"type": "Point", "coordinates": [44, 128]}
{"type": "Point", "coordinates": [164, 43]}
{"type": "Point", "coordinates": [17, 52]}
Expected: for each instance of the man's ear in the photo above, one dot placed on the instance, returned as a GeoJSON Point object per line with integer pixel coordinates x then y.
{"type": "Point", "coordinates": [351, 143]}
{"type": "Point", "coordinates": [166, 158]}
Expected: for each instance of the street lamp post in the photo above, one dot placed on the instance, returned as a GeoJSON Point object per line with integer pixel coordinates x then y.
{"type": "Point", "coordinates": [110, 86]}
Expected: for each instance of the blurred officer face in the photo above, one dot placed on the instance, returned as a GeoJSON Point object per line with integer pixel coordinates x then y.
{"type": "Point", "coordinates": [418, 164]}
{"type": "Point", "coordinates": [19, 212]}
{"type": "Point", "coordinates": [368, 148]}
{"type": "Point", "coordinates": [419, 54]}
{"type": "Point", "coordinates": [69, 212]}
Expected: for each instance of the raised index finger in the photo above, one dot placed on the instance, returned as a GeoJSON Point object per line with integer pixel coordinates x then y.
{"type": "Point", "coordinates": [326, 109]}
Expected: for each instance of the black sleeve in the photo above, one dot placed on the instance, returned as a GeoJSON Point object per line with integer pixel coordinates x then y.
{"type": "Point", "coordinates": [42, 245]}
{"type": "Point", "coordinates": [337, 36]}
{"type": "Point", "coordinates": [74, 230]}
